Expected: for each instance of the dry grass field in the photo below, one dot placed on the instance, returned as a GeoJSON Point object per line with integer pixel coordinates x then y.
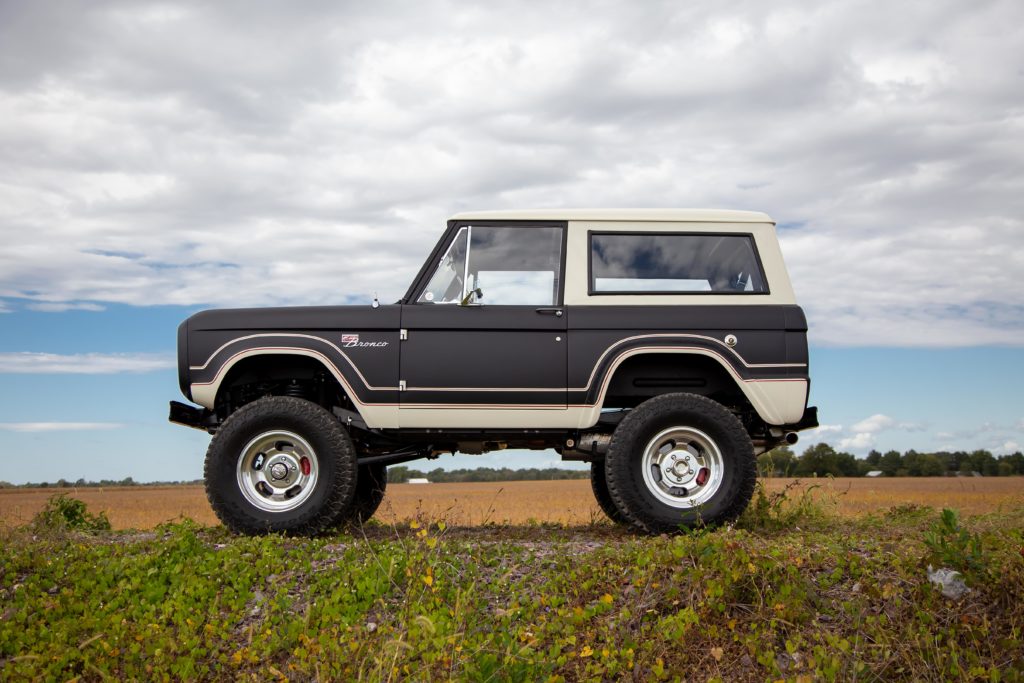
{"type": "Point", "coordinates": [564, 502]}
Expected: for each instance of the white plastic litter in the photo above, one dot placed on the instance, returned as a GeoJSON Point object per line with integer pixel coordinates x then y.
{"type": "Point", "coordinates": [950, 581]}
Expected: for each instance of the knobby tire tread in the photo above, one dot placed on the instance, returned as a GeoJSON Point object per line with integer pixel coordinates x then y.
{"type": "Point", "coordinates": [371, 484]}
{"type": "Point", "coordinates": [626, 487]}
{"type": "Point", "coordinates": [315, 424]}
{"type": "Point", "coordinates": [599, 484]}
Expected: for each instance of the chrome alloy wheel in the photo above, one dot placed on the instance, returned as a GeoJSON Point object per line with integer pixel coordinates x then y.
{"type": "Point", "coordinates": [682, 467]}
{"type": "Point", "coordinates": [277, 471]}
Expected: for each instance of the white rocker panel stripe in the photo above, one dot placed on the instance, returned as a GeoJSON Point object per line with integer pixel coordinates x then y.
{"type": "Point", "coordinates": [776, 401]}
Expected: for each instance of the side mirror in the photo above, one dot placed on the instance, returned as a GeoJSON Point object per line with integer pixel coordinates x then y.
{"type": "Point", "coordinates": [471, 296]}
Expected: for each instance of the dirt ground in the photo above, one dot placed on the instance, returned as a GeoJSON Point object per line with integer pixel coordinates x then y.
{"type": "Point", "coordinates": [519, 502]}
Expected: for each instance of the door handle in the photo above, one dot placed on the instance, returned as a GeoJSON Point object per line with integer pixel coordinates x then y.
{"type": "Point", "coordinates": [557, 312]}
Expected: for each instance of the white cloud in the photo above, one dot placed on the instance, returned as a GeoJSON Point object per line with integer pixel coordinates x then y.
{"type": "Point", "coordinates": [1000, 438]}
{"type": "Point", "coordinates": [820, 431]}
{"type": "Point", "coordinates": [969, 433]}
{"type": "Point", "coordinates": [322, 171]}
{"type": "Point", "coordinates": [858, 442]}
{"type": "Point", "coordinates": [865, 434]}
{"type": "Point", "coordinates": [58, 426]}
{"type": "Point", "coordinates": [61, 307]}
{"type": "Point", "coordinates": [908, 69]}
{"type": "Point", "coordinates": [881, 423]}
{"type": "Point", "coordinates": [84, 363]}
{"type": "Point", "coordinates": [875, 423]}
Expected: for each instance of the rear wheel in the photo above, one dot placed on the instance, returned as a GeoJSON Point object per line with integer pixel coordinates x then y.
{"type": "Point", "coordinates": [599, 484]}
{"type": "Point", "coordinates": [680, 460]}
{"type": "Point", "coordinates": [280, 464]}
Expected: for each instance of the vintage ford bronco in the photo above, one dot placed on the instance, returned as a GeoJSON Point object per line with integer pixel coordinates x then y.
{"type": "Point", "coordinates": [664, 347]}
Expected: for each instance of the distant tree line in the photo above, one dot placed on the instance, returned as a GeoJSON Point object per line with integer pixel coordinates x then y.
{"type": "Point", "coordinates": [822, 460]}
{"type": "Point", "coordinates": [400, 474]}
{"type": "Point", "coordinates": [82, 483]}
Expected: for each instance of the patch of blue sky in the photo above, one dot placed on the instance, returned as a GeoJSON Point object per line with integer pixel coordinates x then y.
{"type": "Point", "coordinates": [925, 381]}
{"type": "Point", "coordinates": [941, 389]}
{"type": "Point", "coordinates": [156, 264]}
{"type": "Point", "coordinates": [142, 452]}
{"type": "Point", "coordinates": [141, 443]}
{"type": "Point", "coordinates": [119, 328]}
{"type": "Point", "coordinates": [130, 255]}
{"type": "Point", "coordinates": [121, 398]}
{"type": "Point", "coordinates": [198, 265]}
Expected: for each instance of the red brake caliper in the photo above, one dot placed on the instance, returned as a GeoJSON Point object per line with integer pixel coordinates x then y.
{"type": "Point", "coordinates": [304, 464]}
{"type": "Point", "coordinates": [702, 476]}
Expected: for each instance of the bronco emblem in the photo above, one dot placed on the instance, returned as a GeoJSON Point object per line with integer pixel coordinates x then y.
{"type": "Point", "coordinates": [351, 341]}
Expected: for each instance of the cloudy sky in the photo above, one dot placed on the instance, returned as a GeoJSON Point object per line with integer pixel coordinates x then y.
{"type": "Point", "coordinates": [159, 158]}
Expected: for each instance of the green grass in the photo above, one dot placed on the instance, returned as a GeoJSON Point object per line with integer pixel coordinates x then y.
{"type": "Point", "coordinates": [836, 600]}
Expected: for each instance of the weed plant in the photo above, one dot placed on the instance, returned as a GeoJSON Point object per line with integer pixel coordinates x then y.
{"type": "Point", "coordinates": [952, 546]}
{"type": "Point", "coordinates": [795, 505]}
{"type": "Point", "coordinates": [63, 513]}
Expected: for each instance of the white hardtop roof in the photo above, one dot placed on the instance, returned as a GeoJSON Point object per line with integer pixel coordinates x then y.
{"type": "Point", "coordinates": [666, 215]}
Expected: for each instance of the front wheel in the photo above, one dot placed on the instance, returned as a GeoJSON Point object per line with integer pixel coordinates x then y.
{"type": "Point", "coordinates": [680, 460]}
{"type": "Point", "coordinates": [280, 464]}
{"type": "Point", "coordinates": [370, 487]}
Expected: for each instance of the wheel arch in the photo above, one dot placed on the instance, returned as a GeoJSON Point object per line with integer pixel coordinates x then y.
{"type": "Point", "coordinates": [637, 376]}
{"type": "Point", "coordinates": [776, 401]}
{"type": "Point", "coordinates": [275, 365]}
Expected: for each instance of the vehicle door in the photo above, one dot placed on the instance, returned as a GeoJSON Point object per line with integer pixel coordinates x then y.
{"type": "Point", "coordinates": [486, 329]}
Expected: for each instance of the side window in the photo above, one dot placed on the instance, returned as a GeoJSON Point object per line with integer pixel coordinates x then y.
{"type": "Point", "coordinates": [670, 263]}
{"type": "Point", "coordinates": [499, 265]}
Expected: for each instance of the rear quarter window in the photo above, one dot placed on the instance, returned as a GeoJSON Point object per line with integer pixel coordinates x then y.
{"type": "Point", "coordinates": [674, 263]}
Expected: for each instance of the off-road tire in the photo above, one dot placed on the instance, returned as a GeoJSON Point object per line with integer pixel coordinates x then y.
{"type": "Point", "coordinates": [335, 457]}
{"type": "Point", "coordinates": [599, 484]}
{"type": "Point", "coordinates": [370, 487]}
{"type": "Point", "coordinates": [637, 500]}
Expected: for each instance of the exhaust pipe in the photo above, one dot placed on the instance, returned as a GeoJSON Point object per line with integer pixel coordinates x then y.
{"type": "Point", "coordinates": [792, 438]}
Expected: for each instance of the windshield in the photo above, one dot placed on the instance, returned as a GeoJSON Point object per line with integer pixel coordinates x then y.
{"type": "Point", "coordinates": [445, 286]}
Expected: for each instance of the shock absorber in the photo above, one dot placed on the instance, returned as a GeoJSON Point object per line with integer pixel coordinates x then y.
{"type": "Point", "coordinates": [295, 390]}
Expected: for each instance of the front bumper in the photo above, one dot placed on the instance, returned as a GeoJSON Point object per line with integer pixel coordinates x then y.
{"type": "Point", "coordinates": [190, 416]}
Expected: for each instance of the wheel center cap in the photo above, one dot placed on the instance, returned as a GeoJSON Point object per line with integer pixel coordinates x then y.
{"type": "Point", "coordinates": [278, 470]}
{"type": "Point", "coordinates": [681, 469]}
